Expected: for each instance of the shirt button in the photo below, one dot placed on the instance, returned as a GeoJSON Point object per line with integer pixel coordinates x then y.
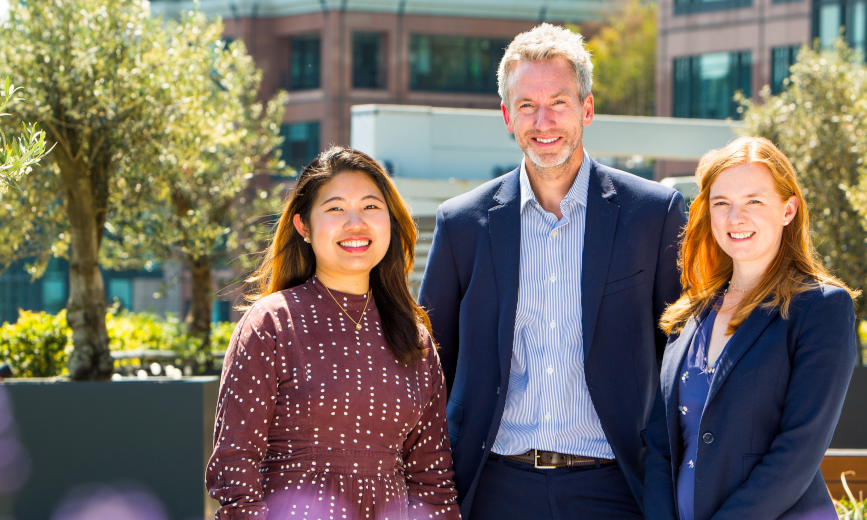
{"type": "Point", "coordinates": [552, 324]}
{"type": "Point", "coordinates": [707, 438]}
{"type": "Point", "coordinates": [538, 206]}
{"type": "Point", "coordinates": [547, 416]}
{"type": "Point", "coordinates": [550, 370]}
{"type": "Point", "coordinates": [554, 233]}
{"type": "Point", "coordinates": [553, 278]}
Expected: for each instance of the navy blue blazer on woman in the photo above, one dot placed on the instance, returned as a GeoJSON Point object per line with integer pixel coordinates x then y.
{"type": "Point", "coordinates": [771, 410]}
{"type": "Point", "coordinates": [470, 290]}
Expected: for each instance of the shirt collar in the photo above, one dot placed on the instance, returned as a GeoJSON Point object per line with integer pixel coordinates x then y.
{"type": "Point", "coordinates": [577, 193]}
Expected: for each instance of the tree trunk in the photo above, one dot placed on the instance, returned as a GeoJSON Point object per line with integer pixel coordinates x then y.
{"type": "Point", "coordinates": [198, 318]}
{"type": "Point", "coordinates": [85, 311]}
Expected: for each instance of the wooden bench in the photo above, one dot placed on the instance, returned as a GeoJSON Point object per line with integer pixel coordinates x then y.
{"type": "Point", "coordinates": [838, 461]}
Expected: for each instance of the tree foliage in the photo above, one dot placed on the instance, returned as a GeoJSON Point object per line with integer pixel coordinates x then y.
{"type": "Point", "coordinates": [820, 122]}
{"type": "Point", "coordinates": [18, 154]}
{"type": "Point", "coordinates": [201, 210]}
{"type": "Point", "coordinates": [119, 93]}
{"type": "Point", "coordinates": [624, 61]}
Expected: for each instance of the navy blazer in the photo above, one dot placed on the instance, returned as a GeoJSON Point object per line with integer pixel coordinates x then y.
{"type": "Point", "coordinates": [470, 290]}
{"type": "Point", "coordinates": [770, 412]}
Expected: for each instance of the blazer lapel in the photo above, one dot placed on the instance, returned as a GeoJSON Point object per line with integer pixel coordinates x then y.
{"type": "Point", "coordinates": [600, 224]}
{"type": "Point", "coordinates": [738, 344]}
{"type": "Point", "coordinates": [504, 226]}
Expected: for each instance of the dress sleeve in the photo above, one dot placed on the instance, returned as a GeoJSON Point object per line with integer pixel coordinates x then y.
{"type": "Point", "coordinates": [245, 408]}
{"type": "Point", "coordinates": [427, 454]}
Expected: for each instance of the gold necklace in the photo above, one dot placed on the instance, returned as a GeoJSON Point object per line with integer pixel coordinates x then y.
{"type": "Point", "coordinates": [357, 323]}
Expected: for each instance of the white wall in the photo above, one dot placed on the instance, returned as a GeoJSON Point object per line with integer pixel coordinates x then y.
{"type": "Point", "coordinates": [443, 143]}
{"type": "Point", "coordinates": [435, 143]}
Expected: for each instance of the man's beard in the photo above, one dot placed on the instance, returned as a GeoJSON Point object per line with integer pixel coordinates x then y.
{"type": "Point", "coordinates": [547, 162]}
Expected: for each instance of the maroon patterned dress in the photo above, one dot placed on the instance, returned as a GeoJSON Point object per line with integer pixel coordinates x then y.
{"type": "Point", "coordinates": [319, 420]}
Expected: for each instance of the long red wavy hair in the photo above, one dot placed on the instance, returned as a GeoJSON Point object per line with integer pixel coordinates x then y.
{"type": "Point", "coordinates": [706, 268]}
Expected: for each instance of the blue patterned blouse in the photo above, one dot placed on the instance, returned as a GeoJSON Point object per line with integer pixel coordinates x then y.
{"type": "Point", "coordinates": [695, 381]}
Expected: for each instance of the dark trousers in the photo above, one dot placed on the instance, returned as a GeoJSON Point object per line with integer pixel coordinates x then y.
{"type": "Point", "coordinates": [516, 490]}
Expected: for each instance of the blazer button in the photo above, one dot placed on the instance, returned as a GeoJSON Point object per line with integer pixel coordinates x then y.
{"type": "Point", "coordinates": [483, 445]}
{"type": "Point", "coordinates": [707, 437]}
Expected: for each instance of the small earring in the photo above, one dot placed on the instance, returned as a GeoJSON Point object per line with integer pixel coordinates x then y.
{"type": "Point", "coordinates": [307, 239]}
{"type": "Point", "coordinates": [786, 223]}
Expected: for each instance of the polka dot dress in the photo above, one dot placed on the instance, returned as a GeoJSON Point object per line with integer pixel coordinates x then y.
{"type": "Point", "coordinates": [318, 420]}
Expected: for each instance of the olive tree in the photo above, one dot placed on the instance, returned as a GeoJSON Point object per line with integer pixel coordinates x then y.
{"type": "Point", "coordinates": [107, 87]}
{"type": "Point", "coordinates": [202, 210]}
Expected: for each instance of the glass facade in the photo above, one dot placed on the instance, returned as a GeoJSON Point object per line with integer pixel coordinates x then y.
{"type": "Point", "coordinates": [368, 65]}
{"type": "Point", "coordinates": [120, 289]}
{"type": "Point", "coordinates": [829, 16]}
{"type": "Point", "coordinates": [705, 85]}
{"type": "Point", "coordinates": [454, 63]}
{"type": "Point", "coordinates": [781, 59]}
{"type": "Point", "coordinates": [701, 6]}
{"type": "Point", "coordinates": [51, 292]}
{"type": "Point", "coordinates": [19, 291]}
{"type": "Point", "coordinates": [220, 311]}
{"type": "Point", "coordinates": [305, 64]}
{"type": "Point", "coordinates": [300, 143]}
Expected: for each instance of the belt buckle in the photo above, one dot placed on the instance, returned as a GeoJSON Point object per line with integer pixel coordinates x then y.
{"type": "Point", "coordinates": [536, 461]}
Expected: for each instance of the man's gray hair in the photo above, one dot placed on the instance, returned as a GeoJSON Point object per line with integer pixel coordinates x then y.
{"type": "Point", "coordinates": [545, 42]}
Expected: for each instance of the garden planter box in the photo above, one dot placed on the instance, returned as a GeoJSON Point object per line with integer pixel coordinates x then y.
{"type": "Point", "coordinates": [849, 445]}
{"type": "Point", "coordinates": [155, 434]}
{"type": "Point", "coordinates": [851, 432]}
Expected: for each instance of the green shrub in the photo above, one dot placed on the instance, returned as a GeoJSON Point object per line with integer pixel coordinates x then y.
{"type": "Point", "coordinates": [221, 334]}
{"type": "Point", "coordinates": [37, 345]}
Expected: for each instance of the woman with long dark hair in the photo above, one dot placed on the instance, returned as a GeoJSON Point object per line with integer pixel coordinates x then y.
{"type": "Point", "coordinates": [332, 401]}
{"type": "Point", "coordinates": [760, 352]}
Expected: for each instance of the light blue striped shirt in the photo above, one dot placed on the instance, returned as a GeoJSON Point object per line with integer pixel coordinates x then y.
{"type": "Point", "coordinates": [548, 406]}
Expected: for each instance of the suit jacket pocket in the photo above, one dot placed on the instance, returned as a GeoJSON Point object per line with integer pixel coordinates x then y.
{"type": "Point", "coordinates": [454, 415]}
{"type": "Point", "coordinates": [624, 283]}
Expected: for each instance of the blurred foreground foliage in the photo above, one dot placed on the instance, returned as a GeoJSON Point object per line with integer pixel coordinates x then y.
{"type": "Point", "coordinates": [850, 507]}
{"type": "Point", "coordinates": [38, 344]}
{"type": "Point", "coordinates": [18, 154]}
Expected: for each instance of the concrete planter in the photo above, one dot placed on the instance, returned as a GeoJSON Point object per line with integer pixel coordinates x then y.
{"type": "Point", "coordinates": [851, 432]}
{"type": "Point", "coordinates": [154, 434]}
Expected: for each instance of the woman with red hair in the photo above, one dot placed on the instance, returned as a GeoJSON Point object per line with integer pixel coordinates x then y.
{"type": "Point", "coordinates": [761, 349]}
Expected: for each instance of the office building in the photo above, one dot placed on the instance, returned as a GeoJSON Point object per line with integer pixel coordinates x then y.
{"type": "Point", "coordinates": [709, 49]}
{"type": "Point", "coordinates": [333, 54]}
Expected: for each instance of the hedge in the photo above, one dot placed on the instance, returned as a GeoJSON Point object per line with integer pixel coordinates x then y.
{"type": "Point", "coordinates": [38, 344]}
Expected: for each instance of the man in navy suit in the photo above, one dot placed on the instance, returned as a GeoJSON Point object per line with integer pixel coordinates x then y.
{"type": "Point", "coordinates": [544, 288]}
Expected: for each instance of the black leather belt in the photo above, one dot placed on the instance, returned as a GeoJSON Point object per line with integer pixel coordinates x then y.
{"type": "Point", "coordinates": [549, 460]}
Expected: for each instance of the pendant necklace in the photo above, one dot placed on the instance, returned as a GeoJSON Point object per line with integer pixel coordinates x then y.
{"type": "Point", "coordinates": [357, 323]}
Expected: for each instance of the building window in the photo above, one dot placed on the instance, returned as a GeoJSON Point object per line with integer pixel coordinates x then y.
{"type": "Point", "coordinates": [221, 311]}
{"type": "Point", "coordinates": [300, 143]}
{"type": "Point", "coordinates": [368, 65]}
{"type": "Point", "coordinates": [782, 58]}
{"type": "Point", "coordinates": [829, 16]}
{"type": "Point", "coordinates": [120, 289]}
{"type": "Point", "coordinates": [54, 286]}
{"type": "Point", "coordinates": [705, 85]}
{"type": "Point", "coordinates": [305, 62]}
{"type": "Point", "coordinates": [454, 63]}
{"type": "Point", "coordinates": [702, 6]}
